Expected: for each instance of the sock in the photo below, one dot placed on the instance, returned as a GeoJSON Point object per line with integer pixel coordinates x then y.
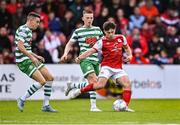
{"type": "Point", "coordinates": [93, 99]}
{"type": "Point", "coordinates": [33, 88]}
{"type": "Point", "coordinates": [126, 96]}
{"type": "Point", "coordinates": [47, 92]}
{"type": "Point", "coordinates": [87, 88]}
{"type": "Point", "coordinates": [79, 85]}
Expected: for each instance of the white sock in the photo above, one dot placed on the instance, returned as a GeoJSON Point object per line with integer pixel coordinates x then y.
{"type": "Point", "coordinates": [93, 99]}
{"type": "Point", "coordinates": [47, 92]}
{"type": "Point", "coordinates": [32, 89]}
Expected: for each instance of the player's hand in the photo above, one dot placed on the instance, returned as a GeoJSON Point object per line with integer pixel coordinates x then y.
{"type": "Point", "coordinates": [64, 58]}
{"type": "Point", "coordinates": [35, 61]}
{"type": "Point", "coordinates": [41, 59]}
{"type": "Point", "coordinates": [127, 58]}
{"type": "Point", "coordinates": [77, 60]}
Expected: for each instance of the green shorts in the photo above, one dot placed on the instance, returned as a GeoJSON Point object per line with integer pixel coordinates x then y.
{"type": "Point", "coordinates": [28, 67]}
{"type": "Point", "coordinates": [88, 67]}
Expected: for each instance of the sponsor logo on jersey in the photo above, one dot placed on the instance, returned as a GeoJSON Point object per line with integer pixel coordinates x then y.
{"type": "Point", "coordinates": [119, 40]}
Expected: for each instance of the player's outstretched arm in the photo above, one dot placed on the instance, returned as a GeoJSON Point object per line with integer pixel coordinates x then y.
{"type": "Point", "coordinates": [66, 51]}
{"type": "Point", "coordinates": [128, 52]}
{"type": "Point", "coordinates": [85, 54]}
{"type": "Point", "coordinates": [21, 47]}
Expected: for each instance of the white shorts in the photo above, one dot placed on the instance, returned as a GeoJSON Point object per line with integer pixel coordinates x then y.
{"type": "Point", "coordinates": [108, 72]}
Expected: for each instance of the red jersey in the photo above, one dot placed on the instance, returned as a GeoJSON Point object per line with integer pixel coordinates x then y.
{"type": "Point", "coordinates": [111, 51]}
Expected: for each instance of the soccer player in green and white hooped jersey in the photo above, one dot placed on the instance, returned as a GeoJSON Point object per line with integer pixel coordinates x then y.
{"type": "Point", "coordinates": [86, 36]}
{"type": "Point", "coordinates": [32, 64]}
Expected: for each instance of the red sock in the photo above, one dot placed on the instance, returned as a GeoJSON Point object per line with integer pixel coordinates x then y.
{"type": "Point", "coordinates": [126, 96]}
{"type": "Point", "coordinates": [87, 88]}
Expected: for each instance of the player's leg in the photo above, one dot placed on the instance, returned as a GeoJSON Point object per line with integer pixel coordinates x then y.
{"type": "Point", "coordinates": [47, 89]}
{"type": "Point", "coordinates": [92, 78]}
{"type": "Point", "coordinates": [90, 87]}
{"type": "Point", "coordinates": [123, 79]}
{"type": "Point", "coordinates": [36, 86]}
{"type": "Point", "coordinates": [125, 83]}
{"type": "Point", "coordinates": [90, 72]}
{"type": "Point", "coordinates": [78, 85]}
{"type": "Point", "coordinates": [30, 69]}
{"type": "Point", "coordinates": [104, 75]}
{"type": "Point", "coordinates": [37, 76]}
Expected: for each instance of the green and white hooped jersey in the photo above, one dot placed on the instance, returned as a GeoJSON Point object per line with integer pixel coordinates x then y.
{"type": "Point", "coordinates": [24, 34]}
{"type": "Point", "coordinates": [86, 38]}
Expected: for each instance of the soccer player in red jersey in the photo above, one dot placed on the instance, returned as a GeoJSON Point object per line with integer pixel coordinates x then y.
{"type": "Point", "coordinates": [111, 46]}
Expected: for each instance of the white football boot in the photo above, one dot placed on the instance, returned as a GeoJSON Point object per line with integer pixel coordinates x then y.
{"type": "Point", "coordinates": [128, 109]}
{"type": "Point", "coordinates": [74, 93]}
{"type": "Point", "coordinates": [95, 109]}
{"type": "Point", "coordinates": [68, 88]}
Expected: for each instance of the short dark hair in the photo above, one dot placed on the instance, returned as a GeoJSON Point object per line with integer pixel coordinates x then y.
{"type": "Point", "coordinates": [33, 14]}
{"type": "Point", "coordinates": [89, 11]}
{"type": "Point", "coordinates": [109, 25]}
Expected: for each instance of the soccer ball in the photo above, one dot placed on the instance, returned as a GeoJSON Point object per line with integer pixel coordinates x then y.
{"type": "Point", "coordinates": [119, 105]}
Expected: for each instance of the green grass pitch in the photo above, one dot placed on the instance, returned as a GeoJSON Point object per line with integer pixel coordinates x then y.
{"type": "Point", "coordinates": [77, 112]}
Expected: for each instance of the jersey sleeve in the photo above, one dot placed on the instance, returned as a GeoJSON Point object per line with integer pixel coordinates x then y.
{"type": "Point", "coordinates": [74, 37]}
{"type": "Point", "coordinates": [98, 45]}
{"type": "Point", "coordinates": [21, 35]}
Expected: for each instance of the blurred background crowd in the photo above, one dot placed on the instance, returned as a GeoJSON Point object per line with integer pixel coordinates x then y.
{"type": "Point", "coordinates": [152, 27]}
